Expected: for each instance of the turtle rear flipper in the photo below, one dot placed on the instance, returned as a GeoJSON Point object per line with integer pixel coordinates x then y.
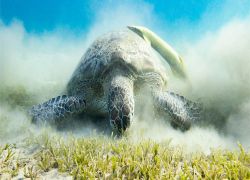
{"type": "Point", "coordinates": [183, 112]}
{"type": "Point", "coordinates": [57, 109]}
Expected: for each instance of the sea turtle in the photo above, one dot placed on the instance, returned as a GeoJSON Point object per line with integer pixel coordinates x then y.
{"type": "Point", "coordinates": [111, 72]}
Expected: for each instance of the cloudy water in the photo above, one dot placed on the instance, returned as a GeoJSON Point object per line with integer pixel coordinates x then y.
{"type": "Point", "coordinates": [36, 67]}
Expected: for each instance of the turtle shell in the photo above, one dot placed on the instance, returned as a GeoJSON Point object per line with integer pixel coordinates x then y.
{"type": "Point", "coordinates": [123, 47]}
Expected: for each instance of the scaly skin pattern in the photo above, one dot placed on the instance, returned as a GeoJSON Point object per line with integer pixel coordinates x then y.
{"type": "Point", "coordinates": [183, 111]}
{"type": "Point", "coordinates": [120, 103]}
{"type": "Point", "coordinates": [109, 76]}
{"type": "Point", "coordinates": [57, 108]}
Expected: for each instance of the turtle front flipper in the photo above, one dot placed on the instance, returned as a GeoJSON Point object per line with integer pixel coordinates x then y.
{"type": "Point", "coordinates": [57, 109]}
{"type": "Point", "coordinates": [182, 111]}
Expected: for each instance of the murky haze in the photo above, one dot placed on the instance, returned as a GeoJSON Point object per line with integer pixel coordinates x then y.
{"type": "Point", "coordinates": [36, 67]}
